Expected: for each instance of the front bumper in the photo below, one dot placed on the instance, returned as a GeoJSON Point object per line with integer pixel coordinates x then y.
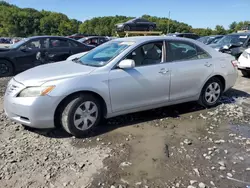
{"type": "Point", "coordinates": [36, 112]}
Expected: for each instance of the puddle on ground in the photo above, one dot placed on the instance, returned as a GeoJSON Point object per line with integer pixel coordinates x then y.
{"type": "Point", "coordinates": [243, 130]}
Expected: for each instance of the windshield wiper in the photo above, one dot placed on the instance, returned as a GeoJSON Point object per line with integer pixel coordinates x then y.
{"type": "Point", "coordinates": [88, 64]}
{"type": "Point", "coordinates": [76, 60]}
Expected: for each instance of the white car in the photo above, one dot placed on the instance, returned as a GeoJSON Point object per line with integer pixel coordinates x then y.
{"type": "Point", "coordinates": [244, 63]}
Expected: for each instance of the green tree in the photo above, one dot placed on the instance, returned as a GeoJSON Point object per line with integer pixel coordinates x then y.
{"type": "Point", "coordinates": [232, 27]}
{"type": "Point", "coordinates": [220, 30]}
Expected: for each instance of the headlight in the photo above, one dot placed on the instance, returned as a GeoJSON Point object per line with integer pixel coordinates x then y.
{"type": "Point", "coordinates": [35, 91]}
{"type": "Point", "coordinates": [245, 55]}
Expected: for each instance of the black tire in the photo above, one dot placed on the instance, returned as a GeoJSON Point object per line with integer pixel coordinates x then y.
{"type": "Point", "coordinates": [245, 73]}
{"type": "Point", "coordinates": [150, 28]}
{"type": "Point", "coordinates": [6, 68]}
{"type": "Point", "coordinates": [203, 100]}
{"type": "Point", "coordinates": [126, 28]}
{"type": "Point", "coordinates": [68, 115]}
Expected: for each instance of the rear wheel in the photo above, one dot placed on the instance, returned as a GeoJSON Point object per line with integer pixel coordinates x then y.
{"type": "Point", "coordinates": [6, 68]}
{"type": "Point", "coordinates": [81, 114]}
{"type": "Point", "coordinates": [211, 93]}
{"type": "Point", "coordinates": [245, 73]}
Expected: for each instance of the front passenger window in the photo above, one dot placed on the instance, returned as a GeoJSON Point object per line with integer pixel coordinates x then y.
{"type": "Point", "coordinates": [147, 54]}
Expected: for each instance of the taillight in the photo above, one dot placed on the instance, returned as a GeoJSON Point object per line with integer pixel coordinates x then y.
{"type": "Point", "coordinates": [235, 63]}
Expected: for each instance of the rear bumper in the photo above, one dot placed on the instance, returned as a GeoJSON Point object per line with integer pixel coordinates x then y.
{"type": "Point", "coordinates": [231, 80]}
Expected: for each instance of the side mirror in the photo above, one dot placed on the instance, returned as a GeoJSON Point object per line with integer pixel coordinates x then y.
{"type": "Point", "coordinates": [127, 64]}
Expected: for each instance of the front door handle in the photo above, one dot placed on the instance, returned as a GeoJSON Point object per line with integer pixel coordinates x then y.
{"type": "Point", "coordinates": [163, 71]}
{"type": "Point", "coordinates": [208, 64]}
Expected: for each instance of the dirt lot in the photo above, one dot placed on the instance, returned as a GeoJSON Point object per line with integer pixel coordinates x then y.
{"type": "Point", "coordinates": [177, 146]}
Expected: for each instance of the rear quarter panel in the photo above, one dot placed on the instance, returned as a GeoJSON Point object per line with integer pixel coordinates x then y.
{"type": "Point", "coordinates": [223, 67]}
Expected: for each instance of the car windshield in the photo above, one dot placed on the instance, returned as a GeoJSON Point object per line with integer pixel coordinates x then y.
{"type": "Point", "coordinates": [101, 55]}
{"type": "Point", "coordinates": [82, 39]}
{"type": "Point", "coordinates": [18, 44]}
{"type": "Point", "coordinates": [215, 40]}
{"type": "Point", "coordinates": [232, 39]}
{"type": "Point", "coordinates": [203, 39]}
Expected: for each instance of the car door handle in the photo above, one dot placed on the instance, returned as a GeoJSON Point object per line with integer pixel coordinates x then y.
{"type": "Point", "coordinates": [208, 64]}
{"type": "Point", "coordinates": [163, 71]}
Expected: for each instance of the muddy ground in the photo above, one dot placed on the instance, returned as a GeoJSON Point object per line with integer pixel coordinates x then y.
{"type": "Point", "coordinates": [178, 146]}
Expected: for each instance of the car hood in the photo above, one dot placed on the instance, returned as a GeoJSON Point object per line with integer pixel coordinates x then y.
{"type": "Point", "coordinates": [248, 50]}
{"type": "Point", "coordinates": [55, 71]}
{"type": "Point", "coordinates": [215, 45]}
{"type": "Point", "coordinates": [119, 24]}
{"type": "Point", "coordinates": [4, 49]}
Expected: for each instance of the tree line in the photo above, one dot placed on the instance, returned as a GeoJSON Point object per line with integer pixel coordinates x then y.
{"type": "Point", "coordinates": [24, 22]}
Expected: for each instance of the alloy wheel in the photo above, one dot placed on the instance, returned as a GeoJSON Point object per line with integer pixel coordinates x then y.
{"type": "Point", "coordinates": [85, 115]}
{"type": "Point", "coordinates": [3, 68]}
{"type": "Point", "coordinates": [212, 92]}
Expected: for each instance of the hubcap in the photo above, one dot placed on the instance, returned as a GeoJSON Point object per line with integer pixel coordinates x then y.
{"type": "Point", "coordinates": [85, 115]}
{"type": "Point", "coordinates": [3, 68]}
{"type": "Point", "coordinates": [212, 93]}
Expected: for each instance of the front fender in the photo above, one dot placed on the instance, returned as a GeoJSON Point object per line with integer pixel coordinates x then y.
{"type": "Point", "coordinates": [88, 83]}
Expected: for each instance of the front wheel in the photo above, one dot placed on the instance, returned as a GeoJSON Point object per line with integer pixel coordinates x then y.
{"type": "Point", "coordinates": [211, 93]}
{"type": "Point", "coordinates": [81, 114]}
{"type": "Point", "coordinates": [126, 28]}
{"type": "Point", "coordinates": [6, 68]}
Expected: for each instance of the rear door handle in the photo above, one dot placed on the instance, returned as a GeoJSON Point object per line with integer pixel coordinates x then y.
{"type": "Point", "coordinates": [164, 71]}
{"type": "Point", "coordinates": [208, 64]}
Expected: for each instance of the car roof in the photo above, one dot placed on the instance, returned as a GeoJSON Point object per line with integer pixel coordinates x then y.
{"type": "Point", "coordinates": [140, 39]}
{"type": "Point", "coordinates": [48, 36]}
{"type": "Point", "coordinates": [91, 37]}
{"type": "Point", "coordinates": [245, 33]}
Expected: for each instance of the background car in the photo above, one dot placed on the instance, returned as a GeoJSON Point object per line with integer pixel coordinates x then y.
{"type": "Point", "coordinates": [78, 36]}
{"type": "Point", "coordinates": [185, 35]}
{"type": "Point", "coordinates": [244, 63]}
{"type": "Point", "coordinates": [34, 51]}
{"type": "Point", "coordinates": [136, 24]}
{"type": "Point", "coordinates": [122, 76]}
{"type": "Point", "coordinates": [94, 40]}
{"type": "Point", "coordinates": [212, 39]}
{"type": "Point", "coordinates": [233, 44]}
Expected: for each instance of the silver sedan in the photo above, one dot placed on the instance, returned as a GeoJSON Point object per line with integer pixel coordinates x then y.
{"type": "Point", "coordinates": [122, 76]}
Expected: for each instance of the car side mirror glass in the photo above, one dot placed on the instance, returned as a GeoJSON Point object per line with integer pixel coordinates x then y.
{"type": "Point", "coordinates": [126, 64]}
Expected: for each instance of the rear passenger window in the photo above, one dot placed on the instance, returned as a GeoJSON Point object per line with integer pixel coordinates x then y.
{"type": "Point", "coordinates": [59, 43]}
{"type": "Point", "coordinates": [182, 51]}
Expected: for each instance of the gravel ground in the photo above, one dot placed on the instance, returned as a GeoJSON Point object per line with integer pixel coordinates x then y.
{"type": "Point", "coordinates": [178, 146]}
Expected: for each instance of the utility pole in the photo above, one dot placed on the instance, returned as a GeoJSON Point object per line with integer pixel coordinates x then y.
{"type": "Point", "coordinates": [168, 20]}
